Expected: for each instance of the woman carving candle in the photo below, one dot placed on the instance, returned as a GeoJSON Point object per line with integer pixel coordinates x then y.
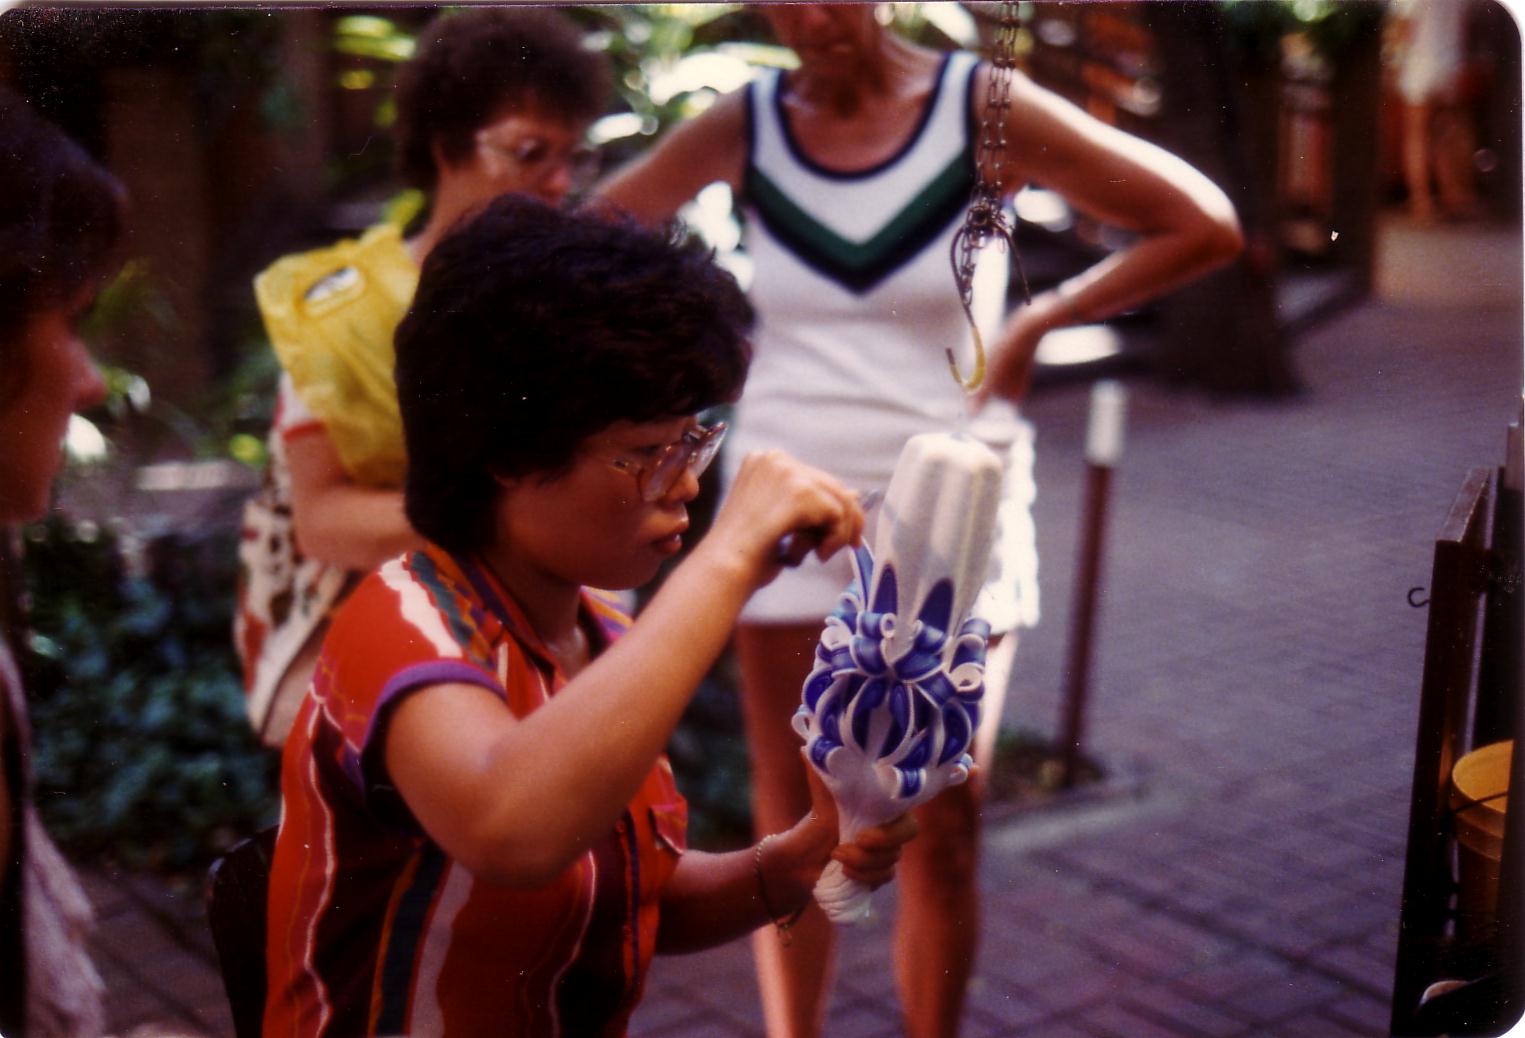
{"type": "Point", "coordinates": [480, 833]}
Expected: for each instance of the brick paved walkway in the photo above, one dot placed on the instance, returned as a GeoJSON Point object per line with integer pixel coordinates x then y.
{"type": "Point", "coordinates": [1258, 666]}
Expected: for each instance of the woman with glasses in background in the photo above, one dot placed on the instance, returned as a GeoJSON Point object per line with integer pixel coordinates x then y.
{"type": "Point", "coordinates": [495, 101]}
{"type": "Point", "coordinates": [480, 832]}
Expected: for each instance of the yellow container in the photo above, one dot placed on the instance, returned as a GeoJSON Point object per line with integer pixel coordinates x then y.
{"type": "Point", "coordinates": [1479, 788]}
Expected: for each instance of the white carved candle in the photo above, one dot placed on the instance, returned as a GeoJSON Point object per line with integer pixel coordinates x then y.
{"type": "Point", "coordinates": [890, 709]}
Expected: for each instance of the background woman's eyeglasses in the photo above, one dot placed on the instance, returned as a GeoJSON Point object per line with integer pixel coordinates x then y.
{"type": "Point", "coordinates": [693, 452]}
{"type": "Point", "coordinates": [535, 160]}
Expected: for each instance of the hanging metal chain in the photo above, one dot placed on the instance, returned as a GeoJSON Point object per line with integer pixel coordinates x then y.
{"type": "Point", "coordinates": [987, 218]}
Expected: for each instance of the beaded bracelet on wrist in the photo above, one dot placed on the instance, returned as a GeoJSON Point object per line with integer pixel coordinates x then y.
{"type": "Point", "coordinates": [783, 924]}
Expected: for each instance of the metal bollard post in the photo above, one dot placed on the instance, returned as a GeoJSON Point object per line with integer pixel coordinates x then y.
{"type": "Point", "coordinates": [1104, 446]}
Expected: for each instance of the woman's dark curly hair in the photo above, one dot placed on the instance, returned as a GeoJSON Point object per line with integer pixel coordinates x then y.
{"type": "Point", "coordinates": [475, 67]}
{"type": "Point", "coordinates": [535, 328]}
{"type": "Point", "coordinates": [61, 216]}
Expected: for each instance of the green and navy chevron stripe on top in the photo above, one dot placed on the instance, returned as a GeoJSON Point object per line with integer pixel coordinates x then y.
{"type": "Point", "coordinates": [860, 266]}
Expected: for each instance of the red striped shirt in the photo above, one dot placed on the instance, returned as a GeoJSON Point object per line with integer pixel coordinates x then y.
{"type": "Point", "coordinates": [372, 929]}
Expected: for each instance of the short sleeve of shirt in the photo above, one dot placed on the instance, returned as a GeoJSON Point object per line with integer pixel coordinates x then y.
{"type": "Point", "coordinates": [399, 632]}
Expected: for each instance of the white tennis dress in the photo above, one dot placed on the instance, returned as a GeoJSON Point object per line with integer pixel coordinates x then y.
{"type": "Point", "coordinates": [856, 304]}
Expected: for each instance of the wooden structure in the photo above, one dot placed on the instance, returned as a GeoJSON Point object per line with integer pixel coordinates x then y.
{"type": "Point", "coordinates": [1247, 97]}
{"type": "Point", "coordinates": [224, 125]}
{"type": "Point", "coordinates": [1470, 697]}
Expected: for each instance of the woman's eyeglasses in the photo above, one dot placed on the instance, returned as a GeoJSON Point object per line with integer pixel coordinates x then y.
{"type": "Point", "coordinates": [693, 452]}
{"type": "Point", "coordinates": [535, 160]}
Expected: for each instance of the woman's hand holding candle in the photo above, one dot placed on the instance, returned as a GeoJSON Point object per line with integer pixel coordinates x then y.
{"type": "Point", "coordinates": [790, 864]}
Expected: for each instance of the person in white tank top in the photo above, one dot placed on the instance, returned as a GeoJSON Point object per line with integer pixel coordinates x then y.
{"type": "Point", "coordinates": [854, 171]}
{"type": "Point", "coordinates": [1439, 137]}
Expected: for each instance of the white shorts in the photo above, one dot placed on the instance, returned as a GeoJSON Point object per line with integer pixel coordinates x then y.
{"type": "Point", "coordinates": [1009, 599]}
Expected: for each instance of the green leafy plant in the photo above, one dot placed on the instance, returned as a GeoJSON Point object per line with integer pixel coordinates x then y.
{"type": "Point", "coordinates": [228, 418]}
{"type": "Point", "coordinates": [1330, 26]}
{"type": "Point", "coordinates": [142, 749]}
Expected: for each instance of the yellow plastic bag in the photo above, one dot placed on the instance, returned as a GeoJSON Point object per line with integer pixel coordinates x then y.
{"type": "Point", "coordinates": [330, 315]}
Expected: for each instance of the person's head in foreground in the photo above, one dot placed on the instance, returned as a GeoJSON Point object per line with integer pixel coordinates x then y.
{"type": "Point", "coordinates": [60, 217]}
{"type": "Point", "coordinates": [498, 99]}
{"type": "Point", "coordinates": [480, 832]}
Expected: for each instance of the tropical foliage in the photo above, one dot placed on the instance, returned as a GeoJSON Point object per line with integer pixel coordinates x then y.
{"type": "Point", "coordinates": [142, 748]}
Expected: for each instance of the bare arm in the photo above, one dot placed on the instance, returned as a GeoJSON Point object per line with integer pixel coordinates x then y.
{"type": "Point", "coordinates": [694, 154]}
{"type": "Point", "coordinates": [337, 520]}
{"type": "Point", "coordinates": [516, 800]}
{"type": "Point", "coordinates": [1186, 225]}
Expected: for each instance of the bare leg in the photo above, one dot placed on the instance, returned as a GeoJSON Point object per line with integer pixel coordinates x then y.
{"type": "Point", "coordinates": [937, 918]}
{"type": "Point", "coordinates": [795, 979]}
{"type": "Point", "coordinates": [1416, 160]}
{"type": "Point", "coordinates": [937, 926]}
{"type": "Point", "coordinates": [1455, 143]}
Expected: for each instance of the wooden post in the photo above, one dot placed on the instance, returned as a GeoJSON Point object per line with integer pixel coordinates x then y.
{"type": "Point", "coordinates": [1104, 441]}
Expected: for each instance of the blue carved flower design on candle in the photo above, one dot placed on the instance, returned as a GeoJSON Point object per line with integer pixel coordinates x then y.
{"type": "Point", "coordinates": [892, 704]}
{"type": "Point", "coordinates": [889, 734]}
